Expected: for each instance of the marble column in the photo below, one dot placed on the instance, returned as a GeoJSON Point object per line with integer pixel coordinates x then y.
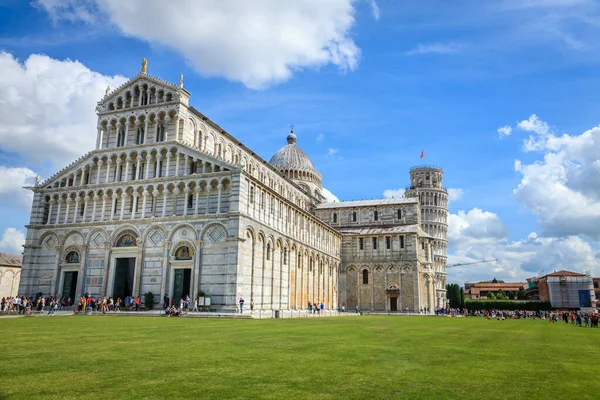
{"type": "Point", "coordinates": [219, 187]}
{"type": "Point", "coordinates": [113, 208]}
{"type": "Point", "coordinates": [196, 286]}
{"type": "Point", "coordinates": [137, 276]}
{"type": "Point", "coordinates": [60, 201]}
{"type": "Point", "coordinates": [81, 276]}
{"type": "Point", "coordinates": [145, 198]}
{"type": "Point", "coordinates": [165, 268]}
{"type": "Point", "coordinates": [196, 199]}
{"type": "Point", "coordinates": [55, 277]}
{"type": "Point", "coordinates": [138, 166]}
{"type": "Point", "coordinates": [165, 192]}
{"type": "Point", "coordinates": [156, 170]}
{"type": "Point", "coordinates": [123, 200]}
{"type": "Point", "coordinates": [108, 164]}
{"type": "Point", "coordinates": [107, 250]}
{"type": "Point", "coordinates": [104, 198]}
{"type": "Point", "coordinates": [49, 221]}
{"type": "Point", "coordinates": [98, 170]}
{"type": "Point", "coordinates": [94, 205]}
{"type": "Point", "coordinates": [177, 158]}
{"type": "Point", "coordinates": [186, 192]}
{"type": "Point", "coordinates": [126, 132]}
{"type": "Point", "coordinates": [148, 162]}
{"type": "Point", "coordinates": [134, 205]}
{"type": "Point", "coordinates": [86, 200]}
{"type": "Point", "coordinates": [176, 191]}
{"type": "Point", "coordinates": [69, 201]}
{"type": "Point", "coordinates": [127, 164]}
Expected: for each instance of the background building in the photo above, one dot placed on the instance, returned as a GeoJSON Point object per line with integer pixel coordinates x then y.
{"type": "Point", "coordinates": [563, 289]}
{"type": "Point", "coordinates": [480, 290]}
{"type": "Point", "coordinates": [10, 274]}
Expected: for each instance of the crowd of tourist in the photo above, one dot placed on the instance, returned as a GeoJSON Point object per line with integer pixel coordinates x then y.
{"type": "Point", "coordinates": [27, 305]}
{"type": "Point", "coordinates": [586, 320]}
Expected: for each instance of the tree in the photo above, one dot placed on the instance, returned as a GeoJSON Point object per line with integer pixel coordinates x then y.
{"type": "Point", "coordinates": [462, 298]}
{"type": "Point", "coordinates": [500, 295]}
{"type": "Point", "coordinates": [491, 296]}
{"type": "Point", "coordinates": [521, 295]}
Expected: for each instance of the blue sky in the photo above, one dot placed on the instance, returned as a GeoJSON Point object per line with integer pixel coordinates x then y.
{"type": "Point", "coordinates": [396, 77]}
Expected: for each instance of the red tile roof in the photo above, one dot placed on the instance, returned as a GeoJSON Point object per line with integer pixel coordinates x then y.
{"type": "Point", "coordinates": [562, 272]}
{"type": "Point", "coordinates": [11, 260]}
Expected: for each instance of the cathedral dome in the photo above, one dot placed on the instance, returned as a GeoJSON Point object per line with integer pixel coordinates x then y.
{"type": "Point", "coordinates": [291, 157]}
{"type": "Point", "coordinates": [291, 161]}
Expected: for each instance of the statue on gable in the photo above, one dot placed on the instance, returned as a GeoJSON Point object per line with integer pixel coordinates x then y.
{"type": "Point", "coordinates": [144, 65]}
{"type": "Point", "coordinates": [107, 91]}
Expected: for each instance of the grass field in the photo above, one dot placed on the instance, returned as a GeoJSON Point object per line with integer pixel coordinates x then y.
{"type": "Point", "coordinates": [112, 357]}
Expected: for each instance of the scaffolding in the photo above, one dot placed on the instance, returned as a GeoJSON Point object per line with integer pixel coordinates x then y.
{"type": "Point", "coordinates": [566, 291]}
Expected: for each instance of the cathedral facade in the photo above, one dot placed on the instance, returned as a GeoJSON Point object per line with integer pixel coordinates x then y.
{"type": "Point", "coordinates": [170, 203]}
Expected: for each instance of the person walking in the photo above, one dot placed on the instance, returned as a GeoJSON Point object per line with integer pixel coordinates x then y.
{"type": "Point", "coordinates": [241, 302]}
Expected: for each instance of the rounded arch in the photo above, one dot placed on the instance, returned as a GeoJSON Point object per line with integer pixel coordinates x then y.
{"type": "Point", "coordinates": [151, 229]}
{"type": "Point", "coordinates": [132, 229]}
{"type": "Point", "coordinates": [75, 237]}
{"type": "Point", "coordinates": [93, 240]}
{"type": "Point", "coordinates": [179, 226]}
{"type": "Point", "coordinates": [209, 230]}
{"type": "Point", "coordinates": [178, 251]}
{"type": "Point", "coordinates": [71, 255]}
{"type": "Point", "coordinates": [46, 236]}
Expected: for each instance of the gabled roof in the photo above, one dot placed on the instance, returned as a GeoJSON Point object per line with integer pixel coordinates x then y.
{"type": "Point", "coordinates": [143, 147]}
{"type": "Point", "coordinates": [11, 260]}
{"type": "Point", "coordinates": [138, 77]}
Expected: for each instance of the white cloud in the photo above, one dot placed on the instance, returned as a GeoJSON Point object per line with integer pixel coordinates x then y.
{"type": "Point", "coordinates": [332, 152]}
{"type": "Point", "coordinates": [478, 235]}
{"type": "Point", "coordinates": [504, 131]}
{"type": "Point", "coordinates": [475, 226]}
{"type": "Point", "coordinates": [455, 194]}
{"type": "Point", "coordinates": [12, 241]}
{"type": "Point", "coordinates": [393, 193]}
{"type": "Point", "coordinates": [258, 42]}
{"type": "Point", "coordinates": [374, 9]}
{"type": "Point", "coordinates": [563, 189]}
{"type": "Point", "coordinates": [330, 197]}
{"type": "Point", "coordinates": [435, 48]}
{"type": "Point", "coordinates": [47, 107]}
{"type": "Point", "coordinates": [320, 137]}
{"type": "Point", "coordinates": [12, 181]}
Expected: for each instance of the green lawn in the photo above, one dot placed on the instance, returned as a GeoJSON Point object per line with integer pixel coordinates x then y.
{"type": "Point", "coordinates": [110, 357]}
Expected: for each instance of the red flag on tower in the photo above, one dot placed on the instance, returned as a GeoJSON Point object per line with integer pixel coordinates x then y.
{"type": "Point", "coordinates": [422, 153]}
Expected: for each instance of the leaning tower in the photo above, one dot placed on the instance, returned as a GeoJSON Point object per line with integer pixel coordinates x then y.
{"type": "Point", "coordinates": [426, 184]}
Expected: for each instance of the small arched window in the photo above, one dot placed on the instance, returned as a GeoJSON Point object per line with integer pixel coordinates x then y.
{"type": "Point", "coordinates": [399, 213]}
{"type": "Point", "coordinates": [269, 251]}
{"type": "Point", "coordinates": [354, 216]}
{"type": "Point", "coordinates": [365, 277]}
{"type": "Point", "coordinates": [334, 217]}
{"type": "Point", "coordinates": [375, 215]}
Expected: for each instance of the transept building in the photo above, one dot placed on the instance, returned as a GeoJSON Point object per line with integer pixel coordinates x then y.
{"type": "Point", "coordinates": [169, 202]}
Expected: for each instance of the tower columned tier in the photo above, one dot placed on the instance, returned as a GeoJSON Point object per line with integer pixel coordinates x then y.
{"type": "Point", "coordinates": [426, 184]}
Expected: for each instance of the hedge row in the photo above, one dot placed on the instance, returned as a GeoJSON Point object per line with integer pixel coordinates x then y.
{"type": "Point", "coordinates": [481, 305]}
